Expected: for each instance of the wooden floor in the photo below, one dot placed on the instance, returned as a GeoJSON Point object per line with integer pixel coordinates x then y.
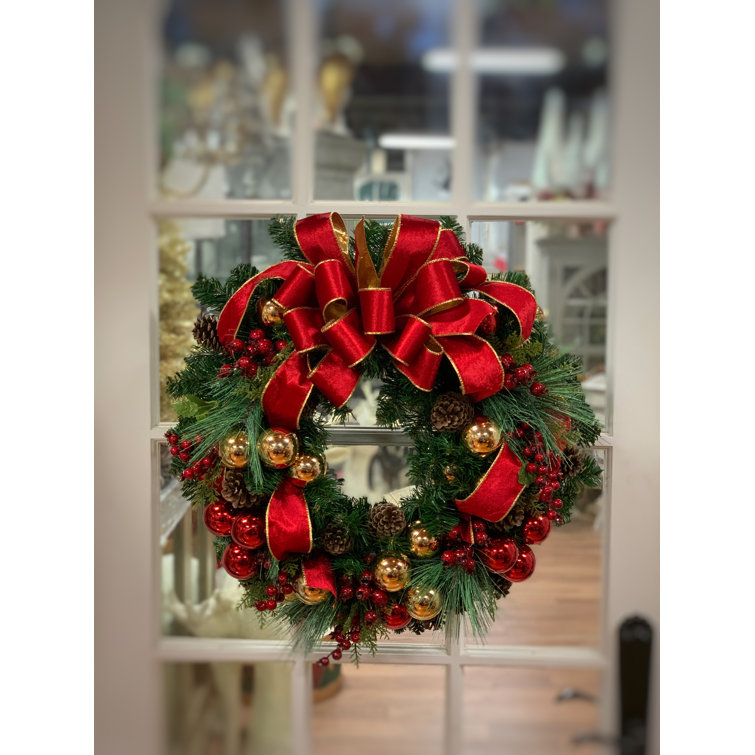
{"type": "Point", "coordinates": [400, 709]}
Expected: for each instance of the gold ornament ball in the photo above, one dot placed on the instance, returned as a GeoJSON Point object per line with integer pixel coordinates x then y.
{"type": "Point", "coordinates": [307, 467]}
{"type": "Point", "coordinates": [482, 436]}
{"type": "Point", "coordinates": [235, 450]}
{"type": "Point", "coordinates": [270, 313]}
{"type": "Point", "coordinates": [421, 542]}
{"type": "Point", "coordinates": [392, 573]}
{"type": "Point", "coordinates": [449, 473]}
{"type": "Point", "coordinates": [278, 448]}
{"type": "Point", "coordinates": [423, 604]}
{"type": "Point", "coordinates": [309, 595]}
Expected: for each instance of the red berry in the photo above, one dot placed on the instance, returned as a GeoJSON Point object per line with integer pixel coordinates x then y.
{"type": "Point", "coordinates": [287, 589]}
{"type": "Point", "coordinates": [188, 474]}
{"type": "Point", "coordinates": [345, 644]}
{"type": "Point", "coordinates": [468, 565]}
{"type": "Point", "coordinates": [366, 576]}
{"type": "Point", "coordinates": [379, 597]}
{"type": "Point", "coordinates": [280, 345]}
{"type": "Point", "coordinates": [282, 578]}
{"type": "Point", "coordinates": [510, 382]}
{"type": "Point", "coordinates": [459, 555]}
{"type": "Point", "coordinates": [347, 593]}
{"type": "Point", "coordinates": [337, 653]}
{"type": "Point", "coordinates": [252, 369]}
{"type": "Point", "coordinates": [557, 503]}
{"type": "Point", "coordinates": [236, 345]}
{"type": "Point", "coordinates": [540, 481]}
{"type": "Point", "coordinates": [507, 361]}
{"type": "Point", "coordinates": [206, 462]}
{"type": "Point", "coordinates": [257, 335]}
{"type": "Point", "coordinates": [261, 605]}
{"type": "Point", "coordinates": [370, 617]}
{"type": "Point", "coordinates": [266, 360]}
{"type": "Point", "coordinates": [447, 557]}
{"type": "Point", "coordinates": [271, 604]}
{"type": "Point", "coordinates": [555, 484]}
{"type": "Point", "coordinates": [185, 444]}
{"type": "Point", "coordinates": [531, 468]}
{"type": "Point", "coordinates": [354, 636]}
{"type": "Point", "coordinates": [478, 527]}
{"type": "Point", "coordinates": [542, 469]}
{"type": "Point", "coordinates": [522, 373]}
{"type": "Point", "coordinates": [172, 439]}
{"type": "Point", "coordinates": [324, 661]}
{"type": "Point", "coordinates": [266, 347]}
{"type": "Point", "coordinates": [558, 519]}
{"type": "Point", "coordinates": [174, 451]}
{"type": "Point", "coordinates": [363, 592]}
{"type": "Point", "coordinates": [545, 495]}
{"type": "Point", "coordinates": [540, 458]}
{"type": "Point", "coordinates": [271, 590]}
{"type": "Point", "coordinates": [252, 348]}
{"type": "Point", "coordinates": [526, 426]}
{"type": "Point", "coordinates": [538, 389]}
{"type": "Point", "coordinates": [552, 514]}
{"type": "Point", "coordinates": [528, 450]}
{"type": "Point", "coordinates": [243, 363]}
{"type": "Point", "coordinates": [225, 370]}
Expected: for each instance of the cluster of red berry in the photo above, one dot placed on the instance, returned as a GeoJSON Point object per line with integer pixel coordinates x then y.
{"type": "Point", "coordinates": [547, 468]}
{"type": "Point", "coordinates": [275, 594]}
{"type": "Point", "coordinates": [523, 374]}
{"type": "Point", "coordinates": [184, 449]}
{"type": "Point", "coordinates": [344, 641]}
{"type": "Point", "coordinates": [460, 553]}
{"type": "Point", "coordinates": [367, 591]}
{"type": "Point", "coordinates": [258, 350]}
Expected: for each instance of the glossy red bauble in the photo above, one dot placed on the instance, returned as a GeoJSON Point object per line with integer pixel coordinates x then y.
{"type": "Point", "coordinates": [396, 617]}
{"type": "Point", "coordinates": [239, 562]}
{"type": "Point", "coordinates": [218, 518]}
{"type": "Point", "coordinates": [523, 567]}
{"type": "Point", "coordinates": [248, 531]}
{"type": "Point", "coordinates": [536, 529]}
{"type": "Point", "coordinates": [499, 555]}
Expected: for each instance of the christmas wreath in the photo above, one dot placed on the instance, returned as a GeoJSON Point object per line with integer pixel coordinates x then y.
{"type": "Point", "coordinates": [468, 369]}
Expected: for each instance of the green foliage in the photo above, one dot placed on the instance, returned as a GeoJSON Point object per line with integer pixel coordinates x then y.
{"type": "Point", "coordinates": [210, 408]}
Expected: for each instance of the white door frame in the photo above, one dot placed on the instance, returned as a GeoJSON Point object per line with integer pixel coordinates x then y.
{"type": "Point", "coordinates": [129, 650]}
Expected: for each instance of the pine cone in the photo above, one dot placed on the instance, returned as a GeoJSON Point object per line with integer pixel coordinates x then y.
{"type": "Point", "coordinates": [206, 332]}
{"type": "Point", "coordinates": [336, 538]}
{"type": "Point", "coordinates": [572, 463]}
{"type": "Point", "coordinates": [514, 518]}
{"type": "Point", "coordinates": [234, 490]}
{"type": "Point", "coordinates": [451, 411]}
{"type": "Point", "coordinates": [386, 519]}
{"type": "Point", "coordinates": [502, 585]}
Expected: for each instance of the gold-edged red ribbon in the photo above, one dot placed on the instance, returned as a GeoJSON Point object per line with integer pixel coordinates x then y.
{"type": "Point", "coordinates": [417, 307]}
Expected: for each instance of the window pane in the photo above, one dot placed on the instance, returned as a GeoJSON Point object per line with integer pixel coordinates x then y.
{"type": "Point", "coordinates": [567, 263]}
{"type": "Point", "coordinates": [543, 108]}
{"type": "Point", "coordinates": [514, 710]}
{"type": "Point", "coordinates": [226, 110]}
{"type": "Point", "coordinates": [382, 709]}
{"type": "Point", "coordinates": [227, 707]}
{"type": "Point", "coordinates": [560, 604]}
{"type": "Point", "coordinates": [382, 122]}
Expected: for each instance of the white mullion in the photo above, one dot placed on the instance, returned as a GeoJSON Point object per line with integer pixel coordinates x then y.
{"type": "Point", "coordinates": [301, 706]}
{"type": "Point", "coordinates": [454, 701]}
{"type": "Point", "coordinates": [487, 211]}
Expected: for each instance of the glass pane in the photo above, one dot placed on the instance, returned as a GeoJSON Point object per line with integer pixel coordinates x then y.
{"type": "Point", "coordinates": [226, 111]}
{"type": "Point", "coordinates": [567, 263]}
{"type": "Point", "coordinates": [382, 120]}
{"type": "Point", "coordinates": [382, 709]}
{"type": "Point", "coordinates": [215, 708]}
{"type": "Point", "coordinates": [509, 711]}
{"type": "Point", "coordinates": [560, 604]}
{"type": "Point", "coordinates": [542, 130]}
{"type": "Point", "coordinates": [187, 247]}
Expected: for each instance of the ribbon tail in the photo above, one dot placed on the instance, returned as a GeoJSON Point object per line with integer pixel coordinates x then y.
{"type": "Point", "coordinates": [287, 392]}
{"type": "Point", "coordinates": [287, 523]}
{"type": "Point", "coordinates": [497, 491]}
{"type": "Point", "coordinates": [318, 573]}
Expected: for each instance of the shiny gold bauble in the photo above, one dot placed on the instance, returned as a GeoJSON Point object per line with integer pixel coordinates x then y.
{"type": "Point", "coordinates": [278, 448]}
{"type": "Point", "coordinates": [421, 542]}
{"type": "Point", "coordinates": [392, 573]}
{"type": "Point", "coordinates": [270, 313]}
{"type": "Point", "coordinates": [307, 467]}
{"type": "Point", "coordinates": [423, 604]}
{"type": "Point", "coordinates": [482, 437]}
{"type": "Point", "coordinates": [449, 473]}
{"type": "Point", "coordinates": [309, 595]}
{"type": "Point", "coordinates": [235, 450]}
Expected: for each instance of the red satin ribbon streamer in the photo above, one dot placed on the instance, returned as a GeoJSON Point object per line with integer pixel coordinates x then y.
{"type": "Point", "coordinates": [415, 307]}
{"type": "Point", "coordinates": [318, 573]}
{"type": "Point", "coordinates": [497, 491]}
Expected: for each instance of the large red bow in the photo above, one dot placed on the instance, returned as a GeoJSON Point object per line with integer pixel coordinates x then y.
{"type": "Point", "coordinates": [417, 307]}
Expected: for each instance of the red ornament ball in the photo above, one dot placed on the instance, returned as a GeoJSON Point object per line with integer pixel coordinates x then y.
{"type": "Point", "coordinates": [248, 531]}
{"type": "Point", "coordinates": [536, 529]}
{"type": "Point", "coordinates": [218, 518]}
{"type": "Point", "coordinates": [239, 562]}
{"type": "Point", "coordinates": [396, 617]}
{"type": "Point", "coordinates": [523, 566]}
{"type": "Point", "coordinates": [499, 555]}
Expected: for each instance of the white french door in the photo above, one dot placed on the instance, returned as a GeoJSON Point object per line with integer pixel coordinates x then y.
{"type": "Point", "coordinates": [132, 650]}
